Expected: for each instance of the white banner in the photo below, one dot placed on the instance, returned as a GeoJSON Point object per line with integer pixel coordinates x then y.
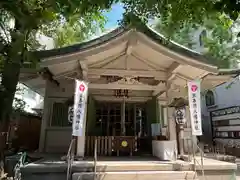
{"type": "Point", "coordinates": [195, 107]}
{"type": "Point", "coordinates": [80, 100]}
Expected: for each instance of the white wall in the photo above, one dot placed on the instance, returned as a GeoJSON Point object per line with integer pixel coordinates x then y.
{"type": "Point", "coordinates": [224, 97]}
{"type": "Point", "coordinates": [30, 97]}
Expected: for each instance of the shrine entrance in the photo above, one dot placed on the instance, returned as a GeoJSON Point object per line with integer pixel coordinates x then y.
{"type": "Point", "coordinates": [110, 122]}
{"type": "Point", "coordinates": [123, 122]}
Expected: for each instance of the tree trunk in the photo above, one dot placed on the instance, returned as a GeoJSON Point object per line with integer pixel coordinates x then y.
{"type": "Point", "coordinates": [9, 83]}
{"type": "Point", "coordinates": [10, 76]}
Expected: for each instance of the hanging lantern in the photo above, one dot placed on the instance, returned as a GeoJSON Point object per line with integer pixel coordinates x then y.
{"type": "Point", "coordinates": [180, 115]}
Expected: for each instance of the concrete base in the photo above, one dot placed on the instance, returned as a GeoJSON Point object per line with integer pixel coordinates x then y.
{"type": "Point", "coordinates": [165, 150]}
{"type": "Point", "coordinates": [132, 166]}
{"type": "Point", "coordinates": [80, 146]}
{"type": "Point", "coordinates": [139, 175]}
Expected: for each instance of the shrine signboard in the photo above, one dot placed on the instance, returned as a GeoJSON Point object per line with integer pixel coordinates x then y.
{"type": "Point", "coordinates": [195, 107]}
{"type": "Point", "coordinates": [79, 107]}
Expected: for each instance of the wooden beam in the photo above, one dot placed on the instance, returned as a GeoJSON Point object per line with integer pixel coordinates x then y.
{"type": "Point", "coordinates": [132, 41]}
{"type": "Point", "coordinates": [158, 91]}
{"type": "Point", "coordinates": [172, 71]}
{"type": "Point", "coordinates": [186, 78]}
{"type": "Point", "coordinates": [47, 75]}
{"type": "Point", "coordinates": [105, 61]}
{"type": "Point", "coordinates": [218, 78]}
{"type": "Point", "coordinates": [170, 74]}
{"type": "Point", "coordinates": [113, 94]}
{"type": "Point", "coordinates": [117, 72]}
{"type": "Point", "coordinates": [83, 69]}
{"type": "Point", "coordinates": [65, 74]}
{"type": "Point", "coordinates": [116, 99]}
{"type": "Point", "coordinates": [126, 86]}
{"type": "Point", "coordinates": [148, 63]}
{"type": "Point", "coordinates": [174, 67]}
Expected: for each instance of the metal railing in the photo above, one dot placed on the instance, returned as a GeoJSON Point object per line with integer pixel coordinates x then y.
{"type": "Point", "coordinates": [95, 159]}
{"type": "Point", "coordinates": [195, 160]}
{"type": "Point", "coordinates": [201, 159]}
{"type": "Point", "coordinates": [20, 163]}
{"type": "Point", "coordinates": [70, 158]}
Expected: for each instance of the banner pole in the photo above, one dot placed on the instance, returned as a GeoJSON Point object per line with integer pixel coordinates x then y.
{"type": "Point", "coordinates": [79, 116]}
{"type": "Point", "coordinates": [193, 148]}
{"type": "Point", "coordinates": [194, 97]}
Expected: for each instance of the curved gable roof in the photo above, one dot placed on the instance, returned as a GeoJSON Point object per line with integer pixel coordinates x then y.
{"type": "Point", "coordinates": [153, 35]}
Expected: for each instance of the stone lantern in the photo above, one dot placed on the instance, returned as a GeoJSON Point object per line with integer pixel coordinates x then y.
{"type": "Point", "coordinates": [180, 117]}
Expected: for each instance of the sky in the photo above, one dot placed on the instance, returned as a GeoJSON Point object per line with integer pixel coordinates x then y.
{"type": "Point", "coordinates": [114, 15]}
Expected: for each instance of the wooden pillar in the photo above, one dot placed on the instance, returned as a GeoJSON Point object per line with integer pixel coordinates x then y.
{"type": "Point", "coordinates": [45, 118]}
{"type": "Point", "coordinates": [123, 128]}
{"type": "Point", "coordinates": [171, 129]}
{"type": "Point", "coordinates": [135, 119]}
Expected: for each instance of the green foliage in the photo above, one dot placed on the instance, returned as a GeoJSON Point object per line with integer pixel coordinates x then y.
{"type": "Point", "coordinates": [221, 44]}
{"type": "Point", "coordinates": [181, 11]}
{"type": "Point", "coordinates": [22, 20]}
{"type": "Point", "coordinates": [181, 35]}
{"type": "Point", "coordinates": [71, 21]}
{"type": "Point", "coordinates": [76, 29]}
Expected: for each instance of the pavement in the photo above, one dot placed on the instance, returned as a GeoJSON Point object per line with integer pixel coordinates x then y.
{"type": "Point", "coordinates": [238, 171]}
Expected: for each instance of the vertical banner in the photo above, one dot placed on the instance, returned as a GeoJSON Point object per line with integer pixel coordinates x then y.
{"type": "Point", "coordinates": [195, 107]}
{"type": "Point", "coordinates": [79, 107]}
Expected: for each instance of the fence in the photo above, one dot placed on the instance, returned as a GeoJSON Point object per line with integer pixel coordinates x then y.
{"type": "Point", "coordinates": [104, 145]}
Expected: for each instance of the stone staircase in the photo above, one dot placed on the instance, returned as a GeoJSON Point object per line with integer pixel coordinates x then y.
{"type": "Point", "coordinates": [136, 175]}
{"type": "Point", "coordinates": [137, 171]}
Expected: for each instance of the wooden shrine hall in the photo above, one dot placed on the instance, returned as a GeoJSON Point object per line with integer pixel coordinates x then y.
{"type": "Point", "coordinates": [132, 75]}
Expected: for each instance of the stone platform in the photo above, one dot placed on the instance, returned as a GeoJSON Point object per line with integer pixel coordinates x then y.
{"type": "Point", "coordinates": [144, 168]}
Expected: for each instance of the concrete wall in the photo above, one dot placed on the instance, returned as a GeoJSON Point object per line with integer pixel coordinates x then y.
{"type": "Point", "coordinates": [224, 97]}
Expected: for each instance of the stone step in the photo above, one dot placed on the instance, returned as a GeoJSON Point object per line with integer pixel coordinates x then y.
{"type": "Point", "coordinates": [137, 175]}
{"type": "Point", "coordinates": [136, 166]}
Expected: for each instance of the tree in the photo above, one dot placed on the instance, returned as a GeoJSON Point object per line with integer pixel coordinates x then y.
{"type": "Point", "coordinates": [27, 17]}
{"type": "Point", "coordinates": [20, 21]}
{"type": "Point", "coordinates": [30, 15]}
{"type": "Point", "coordinates": [74, 30]}
{"type": "Point", "coordinates": [220, 42]}
{"type": "Point", "coordinates": [181, 35]}
{"type": "Point", "coordinates": [180, 12]}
